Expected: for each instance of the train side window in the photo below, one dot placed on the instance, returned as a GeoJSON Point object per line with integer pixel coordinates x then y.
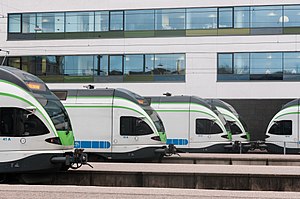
{"type": "Point", "coordinates": [283, 127]}
{"type": "Point", "coordinates": [16, 122]}
{"type": "Point", "coordinates": [133, 126]}
{"type": "Point", "coordinates": [235, 130]}
{"type": "Point", "coordinates": [206, 126]}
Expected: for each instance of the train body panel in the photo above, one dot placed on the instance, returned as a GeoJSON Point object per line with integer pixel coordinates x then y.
{"type": "Point", "coordinates": [187, 120]}
{"type": "Point", "coordinates": [283, 130]}
{"type": "Point", "coordinates": [111, 123]}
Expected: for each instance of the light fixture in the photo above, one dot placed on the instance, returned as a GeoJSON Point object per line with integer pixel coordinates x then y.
{"type": "Point", "coordinates": [284, 19]}
{"type": "Point", "coordinates": [272, 14]}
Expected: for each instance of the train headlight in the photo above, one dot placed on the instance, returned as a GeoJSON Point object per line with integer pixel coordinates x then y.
{"type": "Point", "coordinates": [54, 140]}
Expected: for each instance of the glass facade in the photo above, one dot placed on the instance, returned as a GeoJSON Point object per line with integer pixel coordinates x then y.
{"type": "Point", "coordinates": [241, 20]}
{"type": "Point", "coordinates": [259, 66]}
{"type": "Point", "coordinates": [103, 68]}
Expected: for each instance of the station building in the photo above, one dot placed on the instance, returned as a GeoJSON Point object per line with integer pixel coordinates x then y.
{"type": "Point", "coordinates": [243, 51]}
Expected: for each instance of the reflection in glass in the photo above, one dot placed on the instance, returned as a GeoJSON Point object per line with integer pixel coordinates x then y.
{"type": "Point", "coordinates": [101, 21]}
{"type": "Point", "coordinates": [169, 64]}
{"type": "Point", "coordinates": [116, 65]}
{"type": "Point", "coordinates": [201, 18]}
{"type": "Point", "coordinates": [29, 23]}
{"type": "Point", "coordinates": [133, 64]}
{"type": "Point", "coordinates": [79, 65]}
{"type": "Point", "coordinates": [139, 20]}
{"type": "Point", "coordinates": [266, 16]}
{"type": "Point", "coordinates": [101, 68]}
{"type": "Point", "coordinates": [225, 17]}
{"type": "Point", "coordinates": [170, 19]}
{"type": "Point", "coordinates": [291, 63]}
{"type": "Point", "coordinates": [241, 17]}
{"type": "Point", "coordinates": [241, 63]}
{"type": "Point", "coordinates": [79, 21]}
{"type": "Point", "coordinates": [14, 62]}
{"type": "Point", "coordinates": [116, 20]}
{"type": "Point", "coordinates": [29, 64]}
{"type": "Point", "coordinates": [225, 63]}
{"type": "Point", "coordinates": [266, 65]}
{"type": "Point", "coordinates": [291, 16]}
{"type": "Point", "coordinates": [149, 63]}
{"type": "Point", "coordinates": [14, 21]}
{"type": "Point", "coordinates": [51, 22]}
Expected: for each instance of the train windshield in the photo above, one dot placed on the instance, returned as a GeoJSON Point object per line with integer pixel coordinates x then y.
{"type": "Point", "coordinates": [155, 118]}
{"type": "Point", "coordinates": [50, 103]}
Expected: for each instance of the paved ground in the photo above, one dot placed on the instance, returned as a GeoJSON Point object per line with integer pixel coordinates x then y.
{"type": "Point", "coordinates": [49, 192]}
{"type": "Point", "coordinates": [194, 168]}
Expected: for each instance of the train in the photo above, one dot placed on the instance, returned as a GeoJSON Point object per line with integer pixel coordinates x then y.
{"type": "Point", "coordinates": [192, 124]}
{"type": "Point", "coordinates": [115, 124]}
{"type": "Point", "coordinates": [238, 126]}
{"type": "Point", "coordinates": [35, 130]}
{"type": "Point", "coordinates": [282, 134]}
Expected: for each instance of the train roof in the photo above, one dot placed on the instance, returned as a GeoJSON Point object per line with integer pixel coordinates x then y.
{"type": "Point", "coordinates": [17, 76]}
{"type": "Point", "coordinates": [182, 98]}
{"type": "Point", "coordinates": [222, 104]}
{"type": "Point", "coordinates": [291, 103]}
{"type": "Point", "coordinates": [116, 92]}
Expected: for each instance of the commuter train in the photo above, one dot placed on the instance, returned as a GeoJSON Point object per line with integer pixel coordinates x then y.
{"type": "Point", "coordinates": [192, 124]}
{"type": "Point", "coordinates": [35, 130]}
{"type": "Point", "coordinates": [283, 130]}
{"type": "Point", "coordinates": [238, 127]}
{"type": "Point", "coordinates": [114, 124]}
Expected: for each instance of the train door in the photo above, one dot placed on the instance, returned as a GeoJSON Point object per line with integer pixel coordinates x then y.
{"type": "Point", "coordinates": [205, 129]}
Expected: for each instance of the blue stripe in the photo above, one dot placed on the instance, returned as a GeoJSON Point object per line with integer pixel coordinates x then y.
{"type": "Point", "coordinates": [177, 141]}
{"type": "Point", "coordinates": [92, 144]}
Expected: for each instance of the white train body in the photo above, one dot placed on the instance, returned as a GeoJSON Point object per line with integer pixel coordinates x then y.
{"type": "Point", "coordinates": [114, 124]}
{"type": "Point", "coordinates": [237, 128]}
{"type": "Point", "coordinates": [283, 130]}
{"type": "Point", "coordinates": [29, 136]}
{"type": "Point", "coordinates": [191, 125]}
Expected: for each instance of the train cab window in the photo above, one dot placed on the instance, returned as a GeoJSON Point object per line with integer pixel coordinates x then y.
{"type": "Point", "coordinates": [283, 127]}
{"type": "Point", "coordinates": [235, 130]}
{"type": "Point", "coordinates": [16, 122]}
{"type": "Point", "coordinates": [133, 126]}
{"type": "Point", "coordinates": [206, 126]}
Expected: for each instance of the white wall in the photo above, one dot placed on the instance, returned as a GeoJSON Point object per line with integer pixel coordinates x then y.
{"type": "Point", "coordinates": [201, 52]}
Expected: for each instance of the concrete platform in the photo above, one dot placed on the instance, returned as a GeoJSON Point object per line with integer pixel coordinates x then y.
{"type": "Point", "coordinates": [47, 192]}
{"type": "Point", "coordinates": [234, 159]}
{"type": "Point", "coordinates": [192, 176]}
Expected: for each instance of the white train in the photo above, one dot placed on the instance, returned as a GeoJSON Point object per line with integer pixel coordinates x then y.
{"type": "Point", "coordinates": [283, 130]}
{"type": "Point", "coordinates": [238, 127]}
{"type": "Point", "coordinates": [192, 124]}
{"type": "Point", "coordinates": [35, 130]}
{"type": "Point", "coordinates": [114, 124]}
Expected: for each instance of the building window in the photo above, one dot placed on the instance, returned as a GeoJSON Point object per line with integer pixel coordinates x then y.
{"type": "Point", "coordinates": [241, 63]}
{"type": "Point", "coordinates": [14, 23]}
{"type": "Point", "coordinates": [79, 65]}
{"type": "Point", "coordinates": [115, 65]}
{"type": "Point", "coordinates": [206, 126]}
{"type": "Point", "coordinates": [170, 19]}
{"type": "Point", "coordinates": [102, 21]}
{"type": "Point", "coordinates": [50, 22]}
{"type": "Point", "coordinates": [132, 126]}
{"type": "Point", "coordinates": [225, 63]}
{"type": "Point", "coordinates": [283, 127]}
{"type": "Point", "coordinates": [291, 16]}
{"type": "Point", "coordinates": [102, 65]}
{"type": "Point", "coordinates": [225, 18]}
{"type": "Point", "coordinates": [79, 21]}
{"type": "Point", "coordinates": [266, 16]}
{"type": "Point", "coordinates": [29, 23]}
{"type": "Point", "coordinates": [133, 64]}
{"type": "Point", "coordinates": [116, 20]}
{"type": "Point", "coordinates": [169, 64]}
{"type": "Point", "coordinates": [201, 18]}
{"type": "Point", "coordinates": [241, 17]}
{"type": "Point", "coordinates": [266, 66]}
{"type": "Point", "coordinates": [291, 65]}
{"type": "Point", "coordinates": [139, 20]}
